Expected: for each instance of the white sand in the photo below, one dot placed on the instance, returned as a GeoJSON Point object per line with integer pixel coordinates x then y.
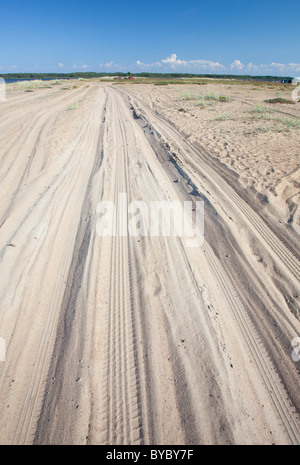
{"type": "Point", "coordinates": [132, 340]}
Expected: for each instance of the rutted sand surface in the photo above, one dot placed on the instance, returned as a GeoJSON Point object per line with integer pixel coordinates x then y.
{"type": "Point", "coordinates": [136, 340]}
{"type": "Point", "coordinates": [255, 139]}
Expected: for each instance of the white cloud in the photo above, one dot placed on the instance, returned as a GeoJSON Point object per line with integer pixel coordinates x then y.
{"type": "Point", "coordinates": [110, 65]}
{"type": "Point", "coordinates": [79, 66]}
{"type": "Point", "coordinates": [206, 64]}
{"type": "Point", "coordinates": [277, 65]}
{"type": "Point", "coordinates": [237, 64]}
{"type": "Point", "coordinates": [283, 68]}
{"type": "Point", "coordinates": [60, 65]}
{"type": "Point", "coordinates": [149, 65]}
{"type": "Point", "coordinates": [252, 67]}
{"type": "Point", "coordinates": [295, 66]}
{"type": "Point", "coordinates": [273, 67]}
{"type": "Point", "coordinates": [173, 62]}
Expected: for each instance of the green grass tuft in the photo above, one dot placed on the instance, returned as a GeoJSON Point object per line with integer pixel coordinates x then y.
{"type": "Point", "coordinates": [223, 117]}
{"type": "Point", "coordinates": [289, 123]}
{"type": "Point", "coordinates": [73, 106]}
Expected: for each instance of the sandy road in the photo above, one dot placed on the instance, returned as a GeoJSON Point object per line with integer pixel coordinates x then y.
{"type": "Point", "coordinates": [132, 340]}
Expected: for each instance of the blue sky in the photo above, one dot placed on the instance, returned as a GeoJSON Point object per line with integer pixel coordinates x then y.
{"type": "Point", "coordinates": [226, 37]}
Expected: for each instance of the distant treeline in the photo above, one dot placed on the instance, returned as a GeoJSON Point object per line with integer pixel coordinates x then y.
{"type": "Point", "coordinates": [214, 76]}
{"type": "Point", "coordinates": [89, 75]}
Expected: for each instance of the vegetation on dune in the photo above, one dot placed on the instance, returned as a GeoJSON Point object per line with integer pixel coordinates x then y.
{"type": "Point", "coordinates": [290, 123]}
{"type": "Point", "coordinates": [203, 99]}
{"type": "Point", "coordinates": [223, 116]}
{"type": "Point", "coordinates": [215, 96]}
{"type": "Point", "coordinates": [278, 124]}
{"type": "Point", "coordinates": [73, 106]}
{"type": "Point", "coordinates": [259, 108]}
{"type": "Point", "coordinates": [29, 86]}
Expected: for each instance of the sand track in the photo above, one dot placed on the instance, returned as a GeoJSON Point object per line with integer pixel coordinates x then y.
{"type": "Point", "coordinates": [135, 340]}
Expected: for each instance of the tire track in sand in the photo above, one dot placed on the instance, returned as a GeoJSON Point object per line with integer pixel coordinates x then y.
{"type": "Point", "coordinates": [268, 373]}
{"type": "Point", "coordinates": [124, 421]}
{"type": "Point", "coordinates": [33, 396]}
{"type": "Point", "coordinates": [192, 161]}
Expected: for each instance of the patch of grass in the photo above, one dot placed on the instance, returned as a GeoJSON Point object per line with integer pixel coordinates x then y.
{"type": "Point", "coordinates": [182, 81]}
{"type": "Point", "coordinates": [282, 124]}
{"type": "Point", "coordinates": [208, 99]}
{"type": "Point", "coordinates": [212, 105]}
{"type": "Point", "coordinates": [28, 85]}
{"type": "Point", "coordinates": [289, 123]}
{"type": "Point", "coordinates": [223, 117]}
{"type": "Point", "coordinates": [186, 96]}
{"type": "Point", "coordinates": [211, 96]}
{"type": "Point", "coordinates": [263, 129]}
{"type": "Point", "coordinates": [262, 112]}
{"type": "Point", "coordinates": [259, 108]}
{"type": "Point", "coordinates": [223, 98]}
{"type": "Point", "coordinates": [73, 106]}
{"type": "Point", "coordinates": [156, 81]}
{"type": "Point", "coordinates": [216, 97]}
{"type": "Point", "coordinates": [200, 103]}
{"type": "Point", "coordinates": [35, 84]}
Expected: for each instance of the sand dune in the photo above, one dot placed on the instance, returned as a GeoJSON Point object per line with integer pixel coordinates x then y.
{"type": "Point", "coordinates": [140, 340]}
